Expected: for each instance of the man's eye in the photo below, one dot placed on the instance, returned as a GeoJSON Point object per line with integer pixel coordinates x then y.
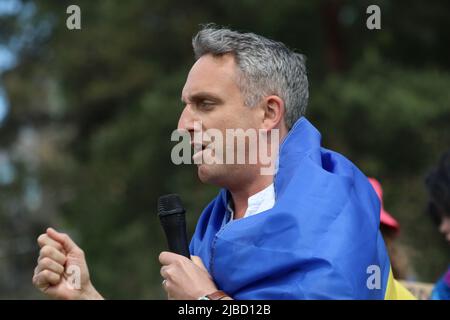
{"type": "Point", "coordinates": [205, 104]}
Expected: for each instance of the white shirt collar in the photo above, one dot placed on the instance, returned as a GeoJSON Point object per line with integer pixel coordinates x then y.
{"type": "Point", "coordinates": [259, 202]}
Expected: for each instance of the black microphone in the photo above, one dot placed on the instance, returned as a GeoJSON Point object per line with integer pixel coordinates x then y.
{"type": "Point", "coordinates": [171, 214]}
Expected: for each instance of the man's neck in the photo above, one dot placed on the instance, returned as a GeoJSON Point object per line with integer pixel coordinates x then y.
{"type": "Point", "coordinates": [240, 196]}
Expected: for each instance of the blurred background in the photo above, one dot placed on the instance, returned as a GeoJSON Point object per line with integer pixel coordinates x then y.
{"type": "Point", "coordinates": [86, 117]}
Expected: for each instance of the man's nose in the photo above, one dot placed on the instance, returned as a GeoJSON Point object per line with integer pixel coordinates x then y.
{"type": "Point", "coordinates": [186, 121]}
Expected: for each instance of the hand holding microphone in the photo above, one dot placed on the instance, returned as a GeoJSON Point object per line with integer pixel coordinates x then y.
{"type": "Point", "coordinates": [183, 278]}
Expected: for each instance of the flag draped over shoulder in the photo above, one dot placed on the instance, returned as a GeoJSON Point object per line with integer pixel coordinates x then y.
{"type": "Point", "coordinates": [321, 239]}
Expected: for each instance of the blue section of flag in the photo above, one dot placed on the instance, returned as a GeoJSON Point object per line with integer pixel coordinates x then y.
{"type": "Point", "coordinates": [317, 242]}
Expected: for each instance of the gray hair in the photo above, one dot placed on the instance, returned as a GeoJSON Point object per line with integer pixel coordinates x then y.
{"type": "Point", "coordinates": [266, 67]}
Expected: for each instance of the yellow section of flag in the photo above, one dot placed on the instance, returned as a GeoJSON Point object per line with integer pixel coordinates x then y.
{"type": "Point", "coordinates": [396, 291]}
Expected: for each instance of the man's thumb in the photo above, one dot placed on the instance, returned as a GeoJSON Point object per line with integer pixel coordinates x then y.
{"type": "Point", "coordinates": [198, 262]}
{"type": "Point", "coordinates": [62, 238]}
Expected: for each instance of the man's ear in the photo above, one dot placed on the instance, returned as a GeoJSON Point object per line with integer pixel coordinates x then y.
{"type": "Point", "coordinates": [273, 112]}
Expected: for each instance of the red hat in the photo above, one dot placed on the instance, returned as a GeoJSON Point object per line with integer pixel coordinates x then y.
{"type": "Point", "coordinates": [385, 218]}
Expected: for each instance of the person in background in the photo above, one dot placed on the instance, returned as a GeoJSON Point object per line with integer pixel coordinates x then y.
{"type": "Point", "coordinates": [437, 184]}
{"type": "Point", "coordinates": [390, 229]}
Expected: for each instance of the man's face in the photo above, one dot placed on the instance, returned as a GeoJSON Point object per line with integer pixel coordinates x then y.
{"type": "Point", "coordinates": [211, 96]}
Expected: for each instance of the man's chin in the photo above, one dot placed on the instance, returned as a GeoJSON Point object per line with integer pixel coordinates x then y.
{"type": "Point", "coordinates": [203, 173]}
{"type": "Point", "coordinates": [208, 174]}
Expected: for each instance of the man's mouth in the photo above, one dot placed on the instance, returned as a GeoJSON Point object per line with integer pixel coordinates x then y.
{"type": "Point", "coordinates": [198, 149]}
{"type": "Point", "coordinates": [198, 146]}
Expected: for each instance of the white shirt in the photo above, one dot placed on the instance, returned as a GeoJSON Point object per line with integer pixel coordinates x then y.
{"type": "Point", "coordinates": [259, 202]}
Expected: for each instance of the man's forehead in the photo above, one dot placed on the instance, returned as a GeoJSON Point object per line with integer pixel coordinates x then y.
{"type": "Point", "coordinates": [226, 59]}
{"type": "Point", "coordinates": [210, 74]}
{"type": "Point", "coordinates": [209, 65]}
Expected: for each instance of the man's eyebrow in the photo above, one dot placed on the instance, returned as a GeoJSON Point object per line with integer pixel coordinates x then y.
{"type": "Point", "coordinates": [203, 96]}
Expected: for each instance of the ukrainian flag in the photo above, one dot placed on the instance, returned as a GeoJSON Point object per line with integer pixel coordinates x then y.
{"type": "Point", "coordinates": [396, 291]}
{"type": "Point", "coordinates": [321, 240]}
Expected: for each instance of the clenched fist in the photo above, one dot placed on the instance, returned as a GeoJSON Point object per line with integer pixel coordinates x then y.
{"type": "Point", "coordinates": [62, 272]}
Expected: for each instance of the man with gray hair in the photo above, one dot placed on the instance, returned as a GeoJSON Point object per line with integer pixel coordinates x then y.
{"type": "Point", "coordinates": [309, 230]}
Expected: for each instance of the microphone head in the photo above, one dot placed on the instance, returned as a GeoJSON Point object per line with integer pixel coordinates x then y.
{"type": "Point", "coordinates": [170, 204]}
